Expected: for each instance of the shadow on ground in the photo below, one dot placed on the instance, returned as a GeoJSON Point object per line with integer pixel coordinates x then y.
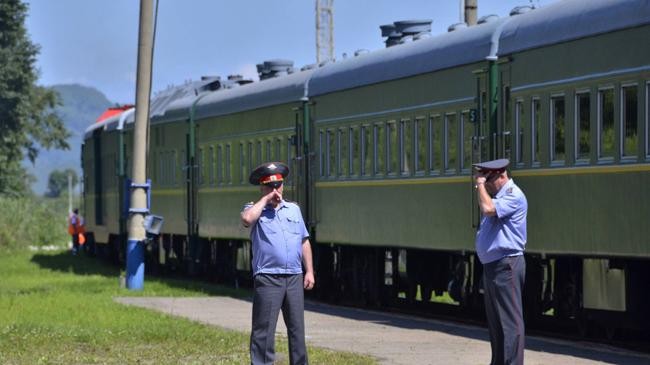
{"type": "Point", "coordinates": [85, 265]}
{"type": "Point", "coordinates": [82, 265]}
{"type": "Point", "coordinates": [590, 351]}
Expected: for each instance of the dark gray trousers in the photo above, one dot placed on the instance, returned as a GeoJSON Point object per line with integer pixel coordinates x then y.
{"type": "Point", "coordinates": [503, 281]}
{"type": "Point", "coordinates": [273, 293]}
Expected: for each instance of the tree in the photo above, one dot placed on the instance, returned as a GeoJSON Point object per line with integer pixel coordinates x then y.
{"type": "Point", "coordinates": [58, 182]}
{"type": "Point", "coordinates": [27, 119]}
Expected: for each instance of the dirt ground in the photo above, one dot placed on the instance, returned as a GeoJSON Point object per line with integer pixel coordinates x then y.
{"type": "Point", "coordinates": [392, 339]}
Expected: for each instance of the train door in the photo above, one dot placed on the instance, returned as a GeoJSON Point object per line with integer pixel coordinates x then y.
{"type": "Point", "coordinates": [505, 129]}
{"type": "Point", "coordinates": [302, 164]}
{"type": "Point", "coordinates": [98, 171]}
{"type": "Point", "coordinates": [481, 142]}
{"type": "Point", "coordinates": [492, 133]}
{"type": "Point", "coordinates": [191, 169]}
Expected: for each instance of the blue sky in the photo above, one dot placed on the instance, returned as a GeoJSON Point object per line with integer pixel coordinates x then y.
{"type": "Point", "coordinates": [94, 42]}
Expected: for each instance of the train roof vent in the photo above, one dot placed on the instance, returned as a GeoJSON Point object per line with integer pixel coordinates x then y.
{"type": "Point", "coordinates": [360, 52]}
{"type": "Point", "coordinates": [393, 36]}
{"type": "Point", "coordinates": [239, 79]}
{"type": "Point", "coordinates": [521, 10]}
{"type": "Point", "coordinates": [413, 29]}
{"type": "Point", "coordinates": [274, 68]}
{"type": "Point", "coordinates": [310, 66]}
{"type": "Point", "coordinates": [405, 31]}
{"type": "Point", "coordinates": [236, 80]}
{"type": "Point", "coordinates": [211, 83]}
{"type": "Point", "coordinates": [457, 26]}
{"type": "Point", "coordinates": [487, 19]}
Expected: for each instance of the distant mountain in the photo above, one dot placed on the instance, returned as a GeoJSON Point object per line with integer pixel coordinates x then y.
{"type": "Point", "coordinates": [81, 107]}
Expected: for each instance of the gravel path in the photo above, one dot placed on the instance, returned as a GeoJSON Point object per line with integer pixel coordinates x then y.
{"type": "Point", "coordinates": [392, 339]}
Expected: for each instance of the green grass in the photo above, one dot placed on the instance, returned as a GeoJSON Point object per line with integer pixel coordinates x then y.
{"type": "Point", "coordinates": [58, 309]}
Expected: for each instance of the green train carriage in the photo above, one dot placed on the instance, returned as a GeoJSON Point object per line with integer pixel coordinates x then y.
{"type": "Point", "coordinates": [382, 146]}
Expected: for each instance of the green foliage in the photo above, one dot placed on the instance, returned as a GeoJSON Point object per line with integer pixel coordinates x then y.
{"type": "Point", "coordinates": [56, 308]}
{"type": "Point", "coordinates": [27, 119]}
{"type": "Point", "coordinates": [80, 108]}
{"type": "Point", "coordinates": [58, 182]}
{"type": "Point", "coordinates": [29, 221]}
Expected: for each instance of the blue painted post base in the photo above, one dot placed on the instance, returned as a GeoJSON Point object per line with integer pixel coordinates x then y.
{"type": "Point", "coordinates": [135, 265]}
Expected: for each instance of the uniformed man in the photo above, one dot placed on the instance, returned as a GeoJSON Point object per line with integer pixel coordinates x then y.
{"type": "Point", "coordinates": [281, 250]}
{"type": "Point", "coordinates": [500, 243]}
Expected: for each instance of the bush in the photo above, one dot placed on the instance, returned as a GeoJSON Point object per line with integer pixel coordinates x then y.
{"type": "Point", "coordinates": [32, 221]}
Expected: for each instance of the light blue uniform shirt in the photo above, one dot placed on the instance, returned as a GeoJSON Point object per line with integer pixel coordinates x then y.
{"type": "Point", "coordinates": [277, 240]}
{"type": "Point", "coordinates": [505, 233]}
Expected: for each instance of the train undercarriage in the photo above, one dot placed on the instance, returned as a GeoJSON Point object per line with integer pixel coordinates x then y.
{"type": "Point", "coordinates": [592, 298]}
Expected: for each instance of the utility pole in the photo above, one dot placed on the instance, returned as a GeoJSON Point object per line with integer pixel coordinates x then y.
{"type": "Point", "coordinates": [470, 12]}
{"type": "Point", "coordinates": [324, 30]}
{"type": "Point", "coordinates": [137, 234]}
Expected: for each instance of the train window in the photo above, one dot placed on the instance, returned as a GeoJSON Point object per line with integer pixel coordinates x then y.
{"type": "Point", "coordinates": [629, 121]}
{"type": "Point", "coordinates": [322, 148]}
{"type": "Point", "coordinates": [647, 119]}
{"type": "Point", "coordinates": [507, 133]}
{"type": "Point", "coordinates": [203, 166]}
{"type": "Point", "coordinates": [258, 153]}
{"type": "Point", "coordinates": [421, 144]}
{"type": "Point", "coordinates": [250, 161]}
{"type": "Point", "coordinates": [227, 165]}
{"type": "Point", "coordinates": [392, 147]}
{"type": "Point", "coordinates": [353, 136]}
{"type": "Point", "coordinates": [210, 162]}
{"type": "Point", "coordinates": [435, 144]}
{"type": "Point", "coordinates": [451, 142]}
{"type": "Point", "coordinates": [171, 167]}
{"type": "Point", "coordinates": [290, 153]}
{"type": "Point", "coordinates": [111, 181]}
{"type": "Point", "coordinates": [582, 127]}
{"type": "Point", "coordinates": [606, 123]}
{"type": "Point", "coordinates": [164, 166]}
{"type": "Point", "coordinates": [161, 168]}
{"type": "Point", "coordinates": [174, 170]}
{"type": "Point", "coordinates": [331, 153]}
{"type": "Point", "coordinates": [267, 154]}
{"type": "Point", "coordinates": [379, 144]}
{"type": "Point", "coordinates": [219, 164]}
{"type": "Point", "coordinates": [198, 163]}
{"type": "Point", "coordinates": [536, 121]}
{"type": "Point", "coordinates": [468, 133]}
{"type": "Point", "coordinates": [242, 163]}
{"type": "Point", "coordinates": [519, 130]}
{"type": "Point", "coordinates": [343, 160]}
{"type": "Point", "coordinates": [406, 147]}
{"type": "Point", "coordinates": [557, 130]}
{"type": "Point", "coordinates": [366, 150]}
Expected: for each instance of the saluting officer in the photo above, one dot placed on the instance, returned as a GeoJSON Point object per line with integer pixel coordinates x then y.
{"type": "Point", "coordinates": [500, 243]}
{"type": "Point", "coordinates": [280, 249]}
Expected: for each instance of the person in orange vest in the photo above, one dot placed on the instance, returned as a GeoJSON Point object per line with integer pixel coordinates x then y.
{"type": "Point", "coordinates": [76, 230]}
